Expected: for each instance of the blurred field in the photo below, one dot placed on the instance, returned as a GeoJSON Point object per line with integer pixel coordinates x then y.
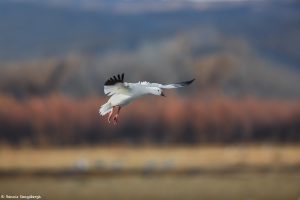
{"type": "Point", "coordinates": [120, 172]}
{"type": "Point", "coordinates": [243, 186]}
{"type": "Point", "coordinates": [133, 158]}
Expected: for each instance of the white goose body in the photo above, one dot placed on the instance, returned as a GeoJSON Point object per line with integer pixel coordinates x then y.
{"type": "Point", "coordinates": [123, 93]}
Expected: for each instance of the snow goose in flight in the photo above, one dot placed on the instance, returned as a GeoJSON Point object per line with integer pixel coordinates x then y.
{"type": "Point", "coordinates": [122, 93]}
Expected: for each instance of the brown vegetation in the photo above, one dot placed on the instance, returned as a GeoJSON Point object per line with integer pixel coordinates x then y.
{"type": "Point", "coordinates": [62, 120]}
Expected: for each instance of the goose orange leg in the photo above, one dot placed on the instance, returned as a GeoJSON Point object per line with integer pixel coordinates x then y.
{"type": "Point", "coordinates": [116, 117]}
{"type": "Point", "coordinates": [110, 114]}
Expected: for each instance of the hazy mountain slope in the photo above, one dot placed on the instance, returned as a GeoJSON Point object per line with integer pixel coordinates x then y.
{"type": "Point", "coordinates": [239, 49]}
{"type": "Point", "coordinates": [32, 30]}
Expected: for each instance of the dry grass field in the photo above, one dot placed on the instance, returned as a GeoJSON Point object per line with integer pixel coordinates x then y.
{"type": "Point", "coordinates": [253, 172]}
{"type": "Point", "coordinates": [128, 158]}
{"type": "Point", "coordinates": [245, 186]}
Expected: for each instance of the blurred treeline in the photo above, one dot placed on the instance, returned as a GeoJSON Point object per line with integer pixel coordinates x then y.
{"type": "Point", "coordinates": [59, 120]}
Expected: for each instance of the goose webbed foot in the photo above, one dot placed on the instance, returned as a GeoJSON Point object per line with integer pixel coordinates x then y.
{"type": "Point", "coordinates": [116, 118]}
{"type": "Point", "coordinates": [110, 115]}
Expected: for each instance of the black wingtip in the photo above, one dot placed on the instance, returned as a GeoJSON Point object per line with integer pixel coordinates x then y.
{"type": "Point", "coordinates": [115, 79]}
{"type": "Point", "coordinates": [188, 82]}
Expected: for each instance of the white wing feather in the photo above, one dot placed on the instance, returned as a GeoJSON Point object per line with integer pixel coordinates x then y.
{"type": "Point", "coordinates": [119, 88]}
{"type": "Point", "coordinates": [167, 86]}
{"type": "Point", "coordinates": [126, 88]}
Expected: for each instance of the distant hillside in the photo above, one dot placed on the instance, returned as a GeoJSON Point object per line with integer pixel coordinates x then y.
{"type": "Point", "coordinates": [239, 49]}
{"type": "Point", "coordinates": [30, 30]}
